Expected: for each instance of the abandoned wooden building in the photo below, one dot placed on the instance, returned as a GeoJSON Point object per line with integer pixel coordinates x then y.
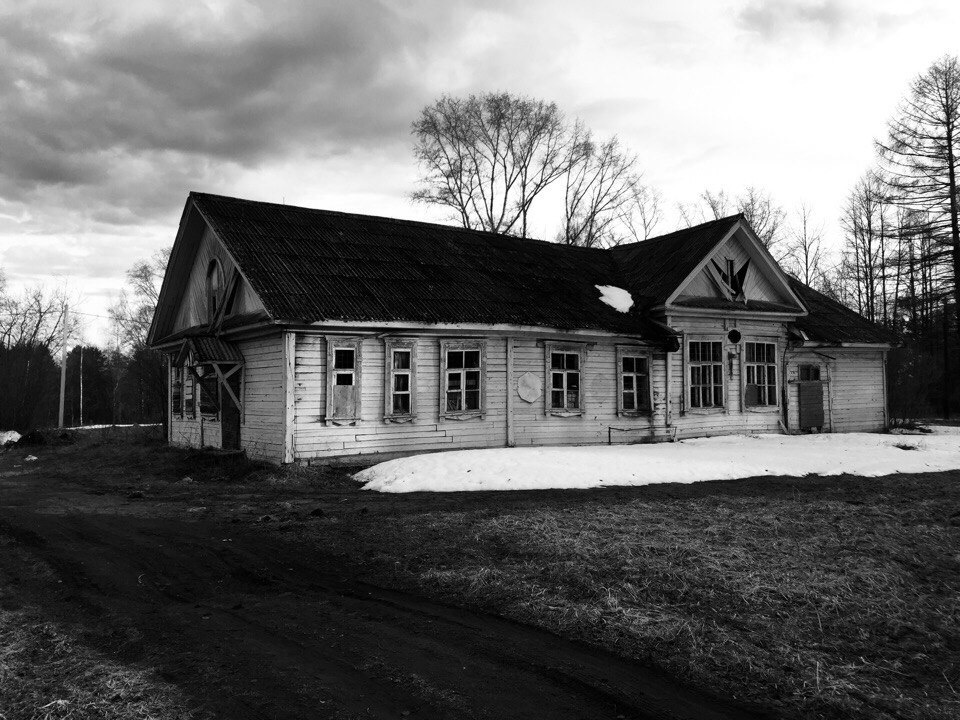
{"type": "Point", "coordinates": [299, 335]}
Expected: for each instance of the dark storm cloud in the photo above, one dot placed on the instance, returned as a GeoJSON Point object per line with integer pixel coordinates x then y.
{"type": "Point", "coordinates": [96, 102]}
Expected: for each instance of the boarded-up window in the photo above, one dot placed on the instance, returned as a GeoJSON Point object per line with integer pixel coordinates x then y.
{"type": "Point", "coordinates": [634, 381]}
{"type": "Point", "coordinates": [462, 378]}
{"type": "Point", "coordinates": [343, 378]}
{"type": "Point", "coordinates": [400, 389]}
{"type": "Point", "coordinates": [705, 362]}
{"type": "Point", "coordinates": [760, 386]}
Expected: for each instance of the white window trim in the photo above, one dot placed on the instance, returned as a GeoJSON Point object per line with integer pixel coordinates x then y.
{"type": "Point", "coordinates": [687, 387]}
{"type": "Point", "coordinates": [581, 350]}
{"type": "Point", "coordinates": [336, 342]}
{"type": "Point", "coordinates": [445, 347]}
{"type": "Point", "coordinates": [389, 346]}
{"type": "Point", "coordinates": [634, 352]}
{"type": "Point", "coordinates": [743, 375]}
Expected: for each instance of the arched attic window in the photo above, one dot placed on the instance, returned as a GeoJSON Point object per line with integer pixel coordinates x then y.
{"type": "Point", "coordinates": [214, 289]}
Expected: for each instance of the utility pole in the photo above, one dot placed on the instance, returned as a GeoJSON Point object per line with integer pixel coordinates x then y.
{"type": "Point", "coordinates": [63, 360]}
{"type": "Point", "coordinates": [81, 385]}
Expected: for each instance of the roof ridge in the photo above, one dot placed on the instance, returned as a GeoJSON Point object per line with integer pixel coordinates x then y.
{"type": "Point", "coordinates": [398, 221]}
{"type": "Point", "coordinates": [669, 235]}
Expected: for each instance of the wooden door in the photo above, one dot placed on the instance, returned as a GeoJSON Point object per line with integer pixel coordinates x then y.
{"type": "Point", "coordinates": [810, 397]}
{"type": "Point", "coordinates": [230, 414]}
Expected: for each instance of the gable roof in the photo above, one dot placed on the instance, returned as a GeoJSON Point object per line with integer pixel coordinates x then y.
{"type": "Point", "coordinates": [654, 268]}
{"type": "Point", "coordinates": [831, 322]}
{"type": "Point", "coordinates": [310, 265]}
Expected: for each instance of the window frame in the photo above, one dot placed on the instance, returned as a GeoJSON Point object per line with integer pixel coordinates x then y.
{"type": "Point", "coordinates": [688, 366]}
{"type": "Point", "coordinates": [177, 390]}
{"type": "Point", "coordinates": [390, 346]}
{"type": "Point", "coordinates": [209, 377]}
{"type": "Point", "coordinates": [334, 343]}
{"type": "Point", "coordinates": [632, 351]}
{"type": "Point", "coordinates": [446, 347]}
{"type": "Point", "coordinates": [744, 369]}
{"type": "Point", "coordinates": [578, 349]}
{"type": "Point", "coordinates": [801, 366]}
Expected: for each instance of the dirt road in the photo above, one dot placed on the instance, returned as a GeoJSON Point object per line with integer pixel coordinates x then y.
{"type": "Point", "coordinates": [251, 625]}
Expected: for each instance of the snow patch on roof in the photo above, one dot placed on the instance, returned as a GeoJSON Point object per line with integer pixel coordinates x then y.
{"type": "Point", "coordinates": [717, 458]}
{"type": "Point", "coordinates": [10, 436]}
{"type": "Point", "coordinates": [616, 297]}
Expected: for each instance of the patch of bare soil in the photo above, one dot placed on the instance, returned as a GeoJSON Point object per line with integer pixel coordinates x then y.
{"type": "Point", "coordinates": [235, 589]}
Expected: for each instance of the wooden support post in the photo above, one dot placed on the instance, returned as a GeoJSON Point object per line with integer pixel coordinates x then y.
{"type": "Point", "coordinates": [666, 404]}
{"type": "Point", "coordinates": [511, 391]}
{"type": "Point", "coordinates": [170, 398]}
{"type": "Point", "coordinates": [289, 398]}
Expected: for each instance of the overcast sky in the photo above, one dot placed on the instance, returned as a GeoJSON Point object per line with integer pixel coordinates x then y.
{"type": "Point", "coordinates": [111, 112]}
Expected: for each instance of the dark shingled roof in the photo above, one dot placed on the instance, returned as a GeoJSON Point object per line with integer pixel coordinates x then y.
{"type": "Point", "coordinates": [310, 265]}
{"type": "Point", "coordinates": [832, 322]}
{"type": "Point", "coordinates": [654, 268]}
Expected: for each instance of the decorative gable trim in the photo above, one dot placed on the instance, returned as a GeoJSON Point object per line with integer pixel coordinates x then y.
{"type": "Point", "coordinates": [757, 251]}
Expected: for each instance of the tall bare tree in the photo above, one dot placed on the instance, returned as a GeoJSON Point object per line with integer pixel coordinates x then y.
{"type": "Point", "coordinates": [921, 154]}
{"type": "Point", "coordinates": [133, 310]}
{"type": "Point", "coordinates": [599, 191]}
{"type": "Point", "coordinates": [758, 207]}
{"type": "Point", "coordinates": [804, 249]}
{"type": "Point", "coordinates": [488, 157]}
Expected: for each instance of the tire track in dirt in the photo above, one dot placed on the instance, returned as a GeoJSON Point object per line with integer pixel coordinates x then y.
{"type": "Point", "coordinates": [258, 627]}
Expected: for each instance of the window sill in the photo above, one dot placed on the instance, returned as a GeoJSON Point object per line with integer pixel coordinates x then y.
{"type": "Point", "coordinates": [565, 413]}
{"type": "Point", "coordinates": [635, 413]}
{"type": "Point", "coordinates": [763, 409]}
{"type": "Point", "coordinates": [472, 415]}
{"type": "Point", "coordinates": [342, 422]}
{"type": "Point", "coordinates": [397, 419]}
{"type": "Point", "coordinates": [705, 411]}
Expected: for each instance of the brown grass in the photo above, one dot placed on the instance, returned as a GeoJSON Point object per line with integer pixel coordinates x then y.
{"type": "Point", "coordinates": [812, 607]}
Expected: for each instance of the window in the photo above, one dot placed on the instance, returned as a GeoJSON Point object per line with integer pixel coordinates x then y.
{"type": "Point", "coordinates": [809, 373]}
{"type": "Point", "coordinates": [214, 289]}
{"type": "Point", "coordinates": [189, 395]}
{"type": "Point", "coordinates": [401, 379]}
{"type": "Point", "coordinates": [564, 376]}
{"type": "Point", "coordinates": [761, 379]}
{"type": "Point", "coordinates": [634, 372]}
{"type": "Point", "coordinates": [462, 379]}
{"type": "Point", "coordinates": [209, 393]}
{"type": "Point", "coordinates": [343, 379]}
{"type": "Point", "coordinates": [176, 387]}
{"type": "Point", "coordinates": [565, 380]}
{"type": "Point", "coordinates": [705, 360]}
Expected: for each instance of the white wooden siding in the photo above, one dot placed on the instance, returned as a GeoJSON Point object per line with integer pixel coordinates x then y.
{"type": "Point", "coordinates": [193, 303]}
{"type": "Point", "coordinates": [757, 286]}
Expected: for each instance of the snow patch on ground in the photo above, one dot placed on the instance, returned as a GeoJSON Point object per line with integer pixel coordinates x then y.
{"type": "Point", "coordinates": [616, 297]}
{"type": "Point", "coordinates": [717, 458]}
{"type": "Point", "coordinates": [8, 436]}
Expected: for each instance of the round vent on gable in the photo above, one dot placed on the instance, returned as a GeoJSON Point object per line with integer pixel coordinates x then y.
{"type": "Point", "coordinates": [734, 336]}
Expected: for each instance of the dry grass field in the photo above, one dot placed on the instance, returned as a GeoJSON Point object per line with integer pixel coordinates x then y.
{"type": "Point", "coordinates": [796, 597]}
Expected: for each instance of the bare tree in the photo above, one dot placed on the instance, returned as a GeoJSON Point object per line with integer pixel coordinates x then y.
{"type": "Point", "coordinates": [764, 215]}
{"type": "Point", "coordinates": [488, 157]}
{"type": "Point", "coordinates": [600, 189]}
{"type": "Point", "coordinates": [921, 154]}
{"type": "Point", "coordinates": [804, 252]}
{"type": "Point", "coordinates": [133, 311]}
{"type": "Point", "coordinates": [644, 212]}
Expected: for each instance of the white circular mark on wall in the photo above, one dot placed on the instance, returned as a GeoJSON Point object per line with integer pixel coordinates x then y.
{"type": "Point", "coordinates": [530, 387]}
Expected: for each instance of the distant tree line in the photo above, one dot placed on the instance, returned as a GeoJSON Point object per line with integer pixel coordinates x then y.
{"type": "Point", "coordinates": [123, 383]}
